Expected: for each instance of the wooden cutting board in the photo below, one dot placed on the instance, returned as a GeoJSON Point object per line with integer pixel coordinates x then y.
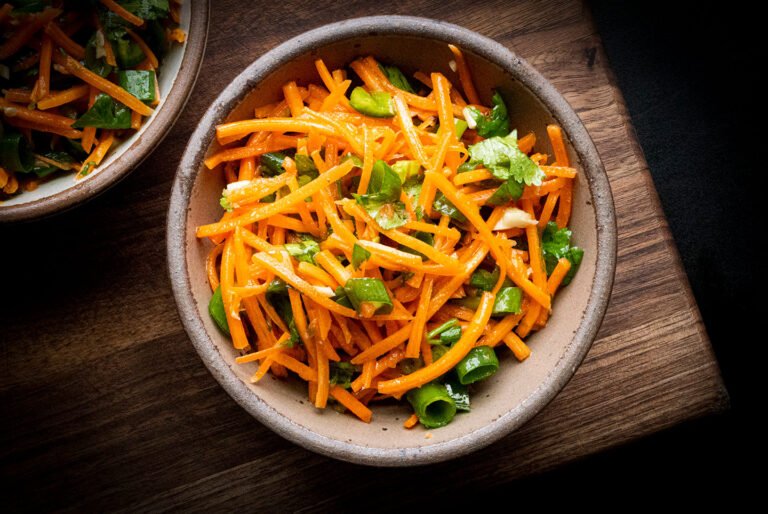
{"type": "Point", "coordinates": [106, 404]}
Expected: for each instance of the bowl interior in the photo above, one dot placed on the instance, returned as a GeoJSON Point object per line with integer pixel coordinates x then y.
{"type": "Point", "coordinates": [166, 77]}
{"type": "Point", "coordinates": [509, 390]}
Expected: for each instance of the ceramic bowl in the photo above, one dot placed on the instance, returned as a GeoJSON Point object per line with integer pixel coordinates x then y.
{"type": "Point", "coordinates": [176, 77]}
{"type": "Point", "coordinates": [514, 394]}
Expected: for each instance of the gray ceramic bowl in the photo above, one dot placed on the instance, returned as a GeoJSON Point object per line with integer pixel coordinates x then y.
{"type": "Point", "coordinates": [513, 395]}
{"type": "Point", "coordinates": [177, 74]}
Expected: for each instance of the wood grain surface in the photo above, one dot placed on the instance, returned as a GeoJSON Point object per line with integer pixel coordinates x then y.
{"type": "Point", "coordinates": [104, 404]}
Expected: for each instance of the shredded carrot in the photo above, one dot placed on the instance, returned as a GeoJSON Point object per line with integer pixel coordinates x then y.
{"type": "Point", "coordinates": [411, 422]}
{"type": "Point", "coordinates": [63, 97]}
{"type": "Point", "coordinates": [122, 12]}
{"type": "Point", "coordinates": [64, 41]}
{"type": "Point", "coordinates": [353, 404]}
{"type": "Point", "coordinates": [465, 76]}
{"type": "Point", "coordinates": [26, 32]}
{"type": "Point", "coordinates": [367, 277]}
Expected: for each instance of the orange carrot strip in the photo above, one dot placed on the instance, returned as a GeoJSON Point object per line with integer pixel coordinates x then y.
{"type": "Point", "coordinates": [63, 97]}
{"type": "Point", "coordinates": [98, 153]}
{"type": "Point", "coordinates": [302, 285]}
{"type": "Point", "coordinates": [21, 112]}
{"type": "Point", "coordinates": [411, 422]}
{"type": "Point", "coordinates": [263, 354]}
{"type": "Point", "coordinates": [353, 404]}
{"type": "Point", "coordinates": [442, 89]}
{"type": "Point", "coordinates": [210, 266]}
{"type": "Point", "coordinates": [448, 233]}
{"type": "Point", "coordinates": [527, 142]}
{"type": "Point", "coordinates": [365, 176]}
{"type": "Point", "coordinates": [5, 10]}
{"type": "Point", "coordinates": [263, 369]}
{"type": "Point", "coordinates": [64, 41]}
{"type": "Point", "coordinates": [419, 321]}
{"type": "Point", "coordinates": [559, 171]}
{"type": "Point", "coordinates": [293, 98]}
{"type": "Point", "coordinates": [33, 125]}
{"type": "Point", "coordinates": [472, 176]}
{"type": "Point", "coordinates": [409, 131]}
{"type": "Point", "coordinates": [18, 95]}
{"type": "Point", "coordinates": [457, 352]}
{"type": "Point", "coordinates": [323, 181]}
{"type": "Point", "coordinates": [465, 77]}
{"type": "Point", "coordinates": [236, 329]}
{"type": "Point", "coordinates": [326, 259]}
{"type": "Point", "coordinates": [240, 128]}
{"type": "Point", "coordinates": [323, 382]}
{"type": "Point", "coordinates": [558, 274]}
{"type": "Point", "coordinates": [301, 369]}
{"type": "Point", "coordinates": [555, 134]}
{"type": "Point", "coordinates": [496, 334]}
{"type": "Point", "coordinates": [534, 249]}
{"type": "Point", "coordinates": [122, 12]}
{"type": "Point", "coordinates": [22, 36]}
{"type": "Point", "coordinates": [566, 200]}
{"type": "Point", "coordinates": [307, 270]}
{"type": "Point", "coordinates": [549, 207]}
{"type": "Point", "coordinates": [518, 347]}
{"type": "Point", "coordinates": [43, 85]}
{"type": "Point", "coordinates": [89, 133]}
{"type": "Point", "coordinates": [135, 120]}
{"type": "Point", "coordinates": [110, 88]}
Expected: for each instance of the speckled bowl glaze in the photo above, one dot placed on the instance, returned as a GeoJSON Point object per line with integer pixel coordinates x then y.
{"type": "Point", "coordinates": [176, 77]}
{"type": "Point", "coordinates": [514, 394]}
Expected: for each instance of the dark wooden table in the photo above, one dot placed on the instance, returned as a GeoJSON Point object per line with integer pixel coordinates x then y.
{"type": "Point", "coordinates": [105, 404]}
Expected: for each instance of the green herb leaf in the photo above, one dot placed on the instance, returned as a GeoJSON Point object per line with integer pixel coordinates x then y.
{"type": "Point", "coordinates": [508, 191]}
{"type": "Point", "coordinates": [484, 279]}
{"type": "Point", "coordinates": [359, 256]}
{"type": "Point", "coordinates": [508, 301]}
{"type": "Point", "coordinates": [282, 306]}
{"type": "Point", "coordinates": [106, 113]}
{"type": "Point", "coordinates": [95, 55]}
{"type": "Point", "coordinates": [406, 169]}
{"type": "Point", "coordinates": [496, 123]}
{"type": "Point", "coordinates": [272, 164]}
{"type": "Point", "coordinates": [377, 104]}
{"type": "Point", "coordinates": [424, 237]}
{"type": "Point", "coordinates": [444, 206]}
{"type": "Point", "coordinates": [15, 153]}
{"type": "Point", "coordinates": [304, 251]}
{"type": "Point", "coordinates": [382, 199]}
{"type": "Point", "coordinates": [139, 83]}
{"type": "Point", "coordinates": [556, 244]}
{"type": "Point", "coordinates": [147, 9]}
{"type": "Point", "coordinates": [341, 373]}
{"type": "Point", "coordinates": [340, 297]}
{"type": "Point", "coordinates": [502, 157]}
{"type": "Point", "coordinates": [397, 78]}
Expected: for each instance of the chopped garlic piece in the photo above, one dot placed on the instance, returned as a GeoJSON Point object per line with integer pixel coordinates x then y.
{"type": "Point", "coordinates": [468, 118]}
{"type": "Point", "coordinates": [237, 185]}
{"type": "Point", "coordinates": [325, 291]}
{"type": "Point", "coordinates": [514, 218]}
{"type": "Point", "coordinates": [453, 66]}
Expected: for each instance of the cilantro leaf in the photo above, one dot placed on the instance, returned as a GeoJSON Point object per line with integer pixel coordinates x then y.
{"type": "Point", "coordinates": [147, 9]}
{"type": "Point", "coordinates": [444, 206]}
{"type": "Point", "coordinates": [282, 305]}
{"type": "Point", "coordinates": [397, 78]}
{"type": "Point", "coordinates": [494, 124]}
{"type": "Point", "coordinates": [382, 199]}
{"type": "Point", "coordinates": [341, 373]}
{"type": "Point", "coordinates": [502, 157]}
{"type": "Point", "coordinates": [106, 113]}
{"type": "Point", "coordinates": [359, 256]}
{"type": "Point", "coordinates": [303, 251]}
{"type": "Point", "coordinates": [556, 244]}
{"type": "Point", "coordinates": [508, 191]}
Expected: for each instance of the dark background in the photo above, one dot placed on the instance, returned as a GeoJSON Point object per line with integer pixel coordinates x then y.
{"type": "Point", "coordinates": [687, 75]}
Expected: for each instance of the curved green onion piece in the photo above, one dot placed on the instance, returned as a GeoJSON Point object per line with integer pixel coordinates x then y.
{"type": "Point", "coordinates": [370, 291]}
{"type": "Point", "coordinates": [432, 404]}
{"type": "Point", "coordinates": [15, 154]}
{"type": "Point", "coordinates": [377, 104]}
{"type": "Point", "coordinates": [216, 310]}
{"type": "Point", "coordinates": [479, 364]}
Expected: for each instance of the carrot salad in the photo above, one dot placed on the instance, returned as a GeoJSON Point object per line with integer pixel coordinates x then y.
{"type": "Point", "coordinates": [76, 77]}
{"type": "Point", "coordinates": [384, 240]}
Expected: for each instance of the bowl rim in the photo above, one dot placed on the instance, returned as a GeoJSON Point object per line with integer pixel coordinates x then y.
{"type": "Point", "coordinates": [485, 48]}
{"type": "Point", "coordinates": [132, 156]}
